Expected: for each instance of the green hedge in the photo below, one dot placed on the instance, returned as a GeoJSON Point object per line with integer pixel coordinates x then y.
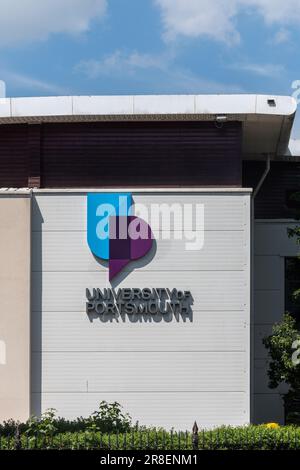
{"type": "Point", "coordinates": [108, 418]}
{"type": "Point", "coordinates": [225, 438]}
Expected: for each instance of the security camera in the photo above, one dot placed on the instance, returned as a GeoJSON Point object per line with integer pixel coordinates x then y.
{"type": "Point", "coordinates": [221, 118]}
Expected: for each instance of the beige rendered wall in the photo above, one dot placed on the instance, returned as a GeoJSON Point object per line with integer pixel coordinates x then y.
{"type": "Point", "coordinates": [15, 240]}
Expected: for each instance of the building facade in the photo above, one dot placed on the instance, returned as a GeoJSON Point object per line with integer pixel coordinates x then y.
{"type": "Point", "coordinates": [221, 166]}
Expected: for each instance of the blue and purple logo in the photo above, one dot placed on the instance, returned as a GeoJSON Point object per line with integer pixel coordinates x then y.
{"type": "Point", "coordinates": [113, 231]}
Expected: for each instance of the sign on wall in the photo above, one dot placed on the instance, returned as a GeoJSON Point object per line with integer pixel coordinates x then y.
{"type": "Point", "coordinates": [114, 233]}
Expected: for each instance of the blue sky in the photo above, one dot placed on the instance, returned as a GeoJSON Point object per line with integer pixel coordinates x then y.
{"type": "Point", "coordinates": [52, 47]}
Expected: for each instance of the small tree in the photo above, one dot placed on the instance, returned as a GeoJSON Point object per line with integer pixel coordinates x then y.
{"type": "Point", "coordinates": [284, 366]}
{"type": "Point", "coordinates": [282, 344]}
{"type": "Point", "coordinates": [295, 233]}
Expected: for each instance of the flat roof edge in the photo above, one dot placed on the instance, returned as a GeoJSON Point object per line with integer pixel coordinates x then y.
{"type": "Point", "coordinates": [30, 191]}
{"type": "Point", "coordinates": [15, 191]}
{"type": "Point", "coordinates": [145, 105]}
{"type": "Point", "coordinates": [142, 190]}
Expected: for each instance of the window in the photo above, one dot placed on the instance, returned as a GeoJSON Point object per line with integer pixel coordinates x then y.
{"type": "Point", "coordinates": [292, 283]}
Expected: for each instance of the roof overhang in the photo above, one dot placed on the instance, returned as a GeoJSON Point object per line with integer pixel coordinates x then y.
{"type": "Point", "coordinates": [267, 119]}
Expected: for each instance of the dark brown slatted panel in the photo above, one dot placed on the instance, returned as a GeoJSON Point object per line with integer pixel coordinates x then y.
{"type": "Point", "coordinates": [141, 154]}
{"type": "Point", "coordinates": [34, 156]}
{"type": "Point", "coordinates": [270, 202]}
{"type": "Point", "coordinates": [13, 156]}
{"type": "Point", "coordinates": [120, 154]}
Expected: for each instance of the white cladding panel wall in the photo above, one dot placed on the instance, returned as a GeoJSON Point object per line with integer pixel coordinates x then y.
{"type": "Point", "coordinates": [271, 246]}
{"type": "Point", "coordinates": [165, 371]}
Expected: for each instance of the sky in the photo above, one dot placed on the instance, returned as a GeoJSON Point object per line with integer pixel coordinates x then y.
{"type": "Point", "coordinates": [88, 47]}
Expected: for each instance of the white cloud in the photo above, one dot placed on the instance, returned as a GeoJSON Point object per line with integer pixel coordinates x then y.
{"type": "Point", "coordinates": [277, 11]}
{"type": "Point", "coordinates": [281, 36]}
{"type": "Point", "coordinates": [28, 20]}
{"type": "Point", "coordinates": [264, 70]}
{"type": "Point", "coordinates": [25, 82]}
{"type": "Point", "coordinates": [158, 73]}
{"type": "Point", "coordinates": [184, 81]}
{"type": "Point", "coordinates": [120, 62]}
{"type": "Point", "coordinates": [217, 19]}
{"type": "Point", "coordinates": [212, 18]}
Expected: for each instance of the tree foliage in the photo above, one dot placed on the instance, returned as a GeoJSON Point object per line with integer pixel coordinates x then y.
{"type": "Point", "coordinates": [281, 346]}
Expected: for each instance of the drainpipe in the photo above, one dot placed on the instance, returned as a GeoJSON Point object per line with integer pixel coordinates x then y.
{"type": "Point", "coordinates": [255, 192]}
{"type": "Point", "coordinates": [262, 179]}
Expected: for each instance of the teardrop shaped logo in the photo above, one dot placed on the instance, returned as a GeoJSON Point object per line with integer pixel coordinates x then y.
{"type": "Point", "coordinates": [114, 233]}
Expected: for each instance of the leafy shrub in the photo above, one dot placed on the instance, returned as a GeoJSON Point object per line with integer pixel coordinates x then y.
{"type": "Point", "coordinates": [224, 438]}
{"type": "Point", "coordinates": [110, 428]}
{"type": "Point", "coordinates": [108, 418]}
{"type": "Point", "coordinates": [282, 369]}
{"type": "Point", "coordinates": [8, 428]}
{"type": "Point", "coordinates": [44, 426]}
{"type": "Point", "coordinates": [280, 347]}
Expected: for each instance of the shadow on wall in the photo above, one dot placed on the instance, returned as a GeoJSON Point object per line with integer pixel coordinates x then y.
{"type": "Point", "coordinates": [143, 317]}
{"type": "Point", "coordinates": [36, 317]}
{"type": "Point", "coordinates": [168, 317]}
